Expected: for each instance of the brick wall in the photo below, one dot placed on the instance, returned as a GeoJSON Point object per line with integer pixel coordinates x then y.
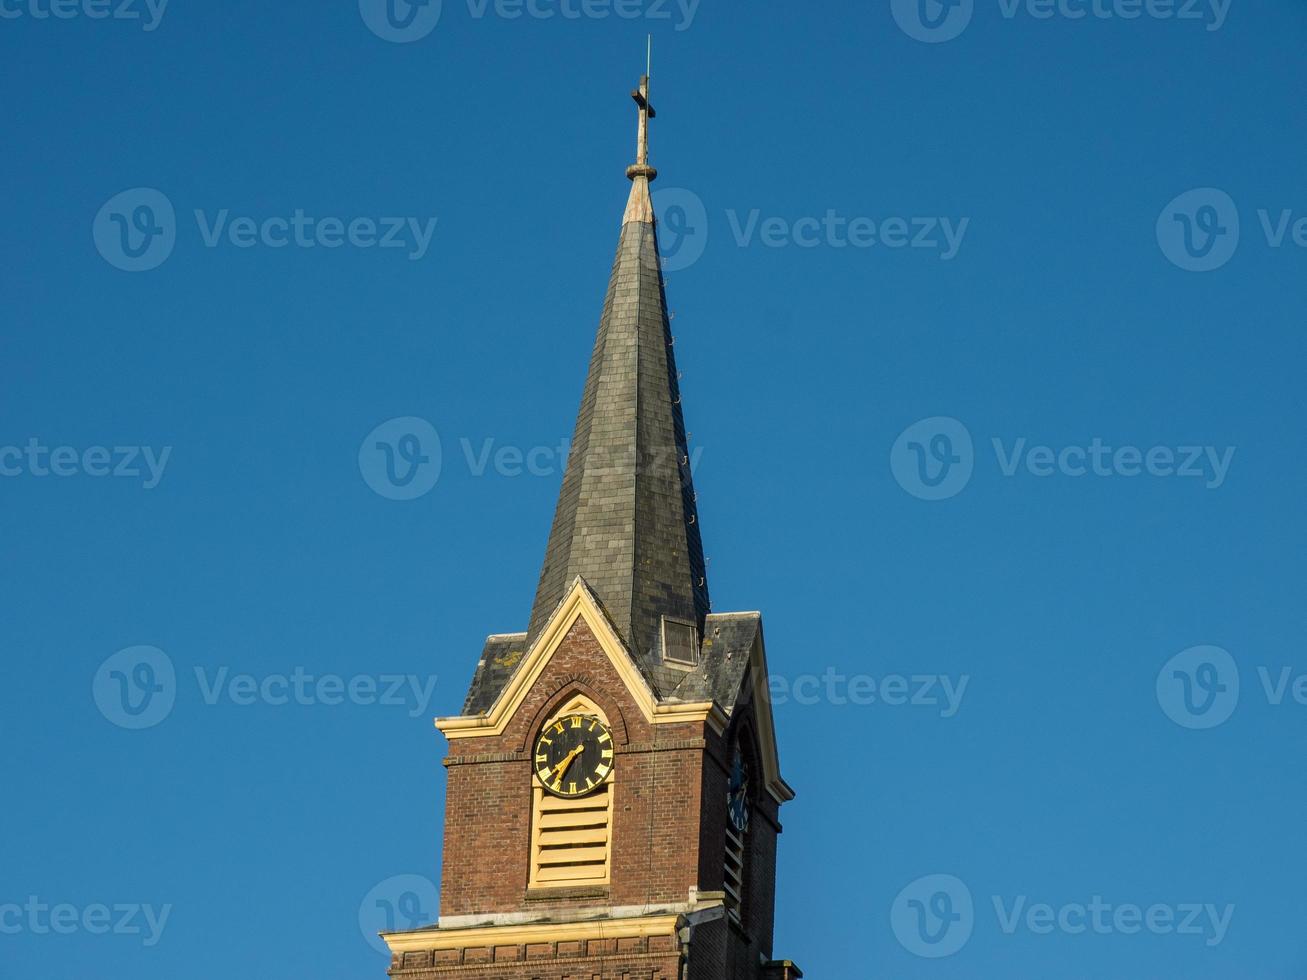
{"type": "Point", "coordinates": [658, 784]}
{"type": "Point", "coordinates": [654, 958]}
{"type": "Point", "coordinates": [668, 836]}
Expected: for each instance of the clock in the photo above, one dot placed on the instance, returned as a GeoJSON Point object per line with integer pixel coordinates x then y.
{"type": "Point", "coordinates": [574, 755]}
{"type": "Point", "coordinates": [737, 793]}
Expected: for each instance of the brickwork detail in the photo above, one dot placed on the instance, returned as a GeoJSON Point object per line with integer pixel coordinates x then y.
{"type": "Point", "coordinates": [657, 785]}
{"type": "Point", "coordinates": [668, 837]}
{"type": "Point", "coordinates": [654, 958]}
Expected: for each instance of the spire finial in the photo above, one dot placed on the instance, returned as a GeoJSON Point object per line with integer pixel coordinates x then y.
{"type": "Point", "coordinates": [641, 173]}
{"type": "Point", "coordinates": [641, 166]}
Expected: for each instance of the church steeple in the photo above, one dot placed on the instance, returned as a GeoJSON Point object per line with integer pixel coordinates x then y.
{"type": "Point", "coordinates": [626, 521]}
{"type": "Point", "coordinates": [613, 783]}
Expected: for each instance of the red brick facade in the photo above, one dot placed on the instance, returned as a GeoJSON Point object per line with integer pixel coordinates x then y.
{"type": "Point", "coordinates": [668, 841]}
{"type": "Point", "coordinates": [608, 959]}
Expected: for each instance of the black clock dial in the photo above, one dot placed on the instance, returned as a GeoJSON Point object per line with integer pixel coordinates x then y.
{"type": "Point", "coordinates": [737, 794]}
{"type": "Point", "coordinates": [574, 755]}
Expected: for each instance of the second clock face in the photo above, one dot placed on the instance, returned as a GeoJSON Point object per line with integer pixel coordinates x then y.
{"type": "Point", "coordinates": [737, 793]}
{"type": "Point", "coordinates": [574, 755]}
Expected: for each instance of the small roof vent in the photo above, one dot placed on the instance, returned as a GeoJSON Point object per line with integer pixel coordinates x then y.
{"type": "Point", "coordinates": [680, 643]}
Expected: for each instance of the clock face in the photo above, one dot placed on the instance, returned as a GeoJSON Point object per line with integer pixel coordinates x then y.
{"type": "Point", "coordinates": [574, 755]}
{"type": "Point", "coordinates": [737, 794]}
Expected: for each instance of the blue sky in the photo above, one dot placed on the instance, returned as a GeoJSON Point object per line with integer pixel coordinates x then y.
{"type": "Point", "coordinates": [985, 399]}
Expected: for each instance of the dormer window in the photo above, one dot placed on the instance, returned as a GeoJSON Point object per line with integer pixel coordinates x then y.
{"type": "Point", "coordinates": [680, 643]}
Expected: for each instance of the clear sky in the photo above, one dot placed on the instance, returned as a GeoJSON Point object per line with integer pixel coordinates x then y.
{"type": "Point", "coordinates": [911, 248]}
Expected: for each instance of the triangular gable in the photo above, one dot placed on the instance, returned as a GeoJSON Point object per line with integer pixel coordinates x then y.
{"type": "Point", "coordinates": [578, 604]}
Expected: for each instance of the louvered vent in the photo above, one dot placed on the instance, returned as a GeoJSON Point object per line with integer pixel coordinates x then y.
{"type": "Point", "coordinates": [571, 842]}
{"type": "Point", "coordinates": [680, 643]}
{"type": "Point", "coordinates": [734, 877]}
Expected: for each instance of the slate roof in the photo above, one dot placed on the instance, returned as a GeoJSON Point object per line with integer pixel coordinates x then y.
{"type": "Point", "coordinates": [626, 520]}
{"type": "Point", "coordinates": [728, 638]}
{"type": "Point", "coordinates": [498, 661]}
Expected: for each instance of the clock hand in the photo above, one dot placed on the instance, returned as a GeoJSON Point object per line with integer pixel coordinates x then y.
{"type": "Point", "coordinates": [560, 770]}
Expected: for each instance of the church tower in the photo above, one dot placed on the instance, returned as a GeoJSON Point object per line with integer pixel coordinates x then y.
{"type": "Point", "coordinates": [614, 789]}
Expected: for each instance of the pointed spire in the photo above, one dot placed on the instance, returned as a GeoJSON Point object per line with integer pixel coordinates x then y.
{"type": "Point", "coordinates": [626, 520]}
{"type": "Point", "coordinates": [639, 207]}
